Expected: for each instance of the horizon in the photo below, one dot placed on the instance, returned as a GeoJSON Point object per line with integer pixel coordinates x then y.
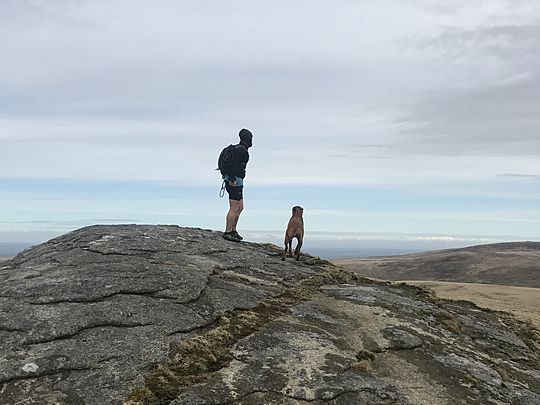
{"type": "Point", "coordinates": [407, 118]}
{"type": "Point", "coordinates": [327, 245]}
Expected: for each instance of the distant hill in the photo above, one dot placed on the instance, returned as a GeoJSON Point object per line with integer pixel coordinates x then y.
{"type": "Point", "coordinates": [11, 249]}
{"type": "Point", "coordinates": [514, 264]}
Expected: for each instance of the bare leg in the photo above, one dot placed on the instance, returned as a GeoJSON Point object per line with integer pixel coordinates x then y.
{"type": "Point", "coordinates": [239, 209]}
{"type": "Point", "coordinates": [235, 208]}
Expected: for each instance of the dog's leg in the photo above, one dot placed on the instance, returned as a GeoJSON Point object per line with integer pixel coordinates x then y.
{"type": "Point", "coordinates": [298, 247]}
{"type": "Point", "coordinates": [285, 252]}
{"type": "Point", "coordinates": [290, 247]}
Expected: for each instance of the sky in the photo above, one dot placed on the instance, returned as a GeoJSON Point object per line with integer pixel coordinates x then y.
{"type": "Point", "coordinates": [418, 119]}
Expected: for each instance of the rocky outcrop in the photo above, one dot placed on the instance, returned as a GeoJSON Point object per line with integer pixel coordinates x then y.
{"type": "Point", "coordinates": [169, 315]}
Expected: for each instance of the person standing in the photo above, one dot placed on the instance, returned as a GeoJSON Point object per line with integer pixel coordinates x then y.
{"type": "Point", "coordinates": [237, 157]}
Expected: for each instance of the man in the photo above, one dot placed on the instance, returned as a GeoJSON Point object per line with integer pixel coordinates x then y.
{"type": "Point", "coordinates": [234, 184]}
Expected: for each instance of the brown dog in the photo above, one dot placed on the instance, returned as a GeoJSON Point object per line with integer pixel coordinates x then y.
{"type": "Point", "coordinates": [295, 229]}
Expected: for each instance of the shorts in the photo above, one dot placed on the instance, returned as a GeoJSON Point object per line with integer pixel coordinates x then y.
{"type": "Point", "coordinates": [235, 193]}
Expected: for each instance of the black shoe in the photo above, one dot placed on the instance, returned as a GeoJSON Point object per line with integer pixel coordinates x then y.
{"type": "Point", "coordinates": [236, 235]}
{"type": "Point", "coordinates": [230, 237]}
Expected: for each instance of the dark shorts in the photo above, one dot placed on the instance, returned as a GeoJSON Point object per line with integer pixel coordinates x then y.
{"type": "Point", "coordinates": [235, 193]}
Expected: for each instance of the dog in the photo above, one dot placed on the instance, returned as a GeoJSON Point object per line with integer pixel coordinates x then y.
{"type": "Point", "coordinates": [295, 229]}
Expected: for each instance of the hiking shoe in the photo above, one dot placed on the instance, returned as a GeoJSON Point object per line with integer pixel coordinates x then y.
{"type": "Point", "coordinates": [230, 237]}
{"type": "Point", "coordinates": [236, 235]}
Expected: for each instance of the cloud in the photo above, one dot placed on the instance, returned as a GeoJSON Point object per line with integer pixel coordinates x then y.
{"type": "Point", "coordinates": [389, 92]}
{"type": "Point", "coordinates": [488, 92]}
{"type": "Point", "coordinates": [520, 176]}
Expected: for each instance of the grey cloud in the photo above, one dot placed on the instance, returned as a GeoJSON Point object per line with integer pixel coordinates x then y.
{"type": "Point", "coordinates": [355, 156]}
{"type": "Point", "coordinates": [490, 104]}
{"type": "Point", "coordinates": [338, 155]}
{"type": "Point", "coordinates": [86, 86]}
{"type": "Point", "coordinates": [503, 41]}
{"type": "Point", "coordinates": [499, 119]}
{"type": "Point", "coordinates": [358, 154]}
{"type": "Point", "coordinates": [365, 151]}
{"type": "Point", "coordinates": [375, 146]}
{"type": "Point", "coordinates": [520, 176]}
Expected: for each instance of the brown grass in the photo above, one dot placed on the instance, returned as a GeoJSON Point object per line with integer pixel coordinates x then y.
{"type": "Point", "coordinates": [516, 264]}
{"type": "Point", "coordinates": [522, 302]}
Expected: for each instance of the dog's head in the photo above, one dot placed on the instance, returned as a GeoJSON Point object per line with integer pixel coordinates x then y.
{"type": "Point", "coordinates": [297, 211]}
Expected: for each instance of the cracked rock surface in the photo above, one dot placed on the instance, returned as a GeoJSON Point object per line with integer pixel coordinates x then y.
{"type": "Point", "coordinates": [169, 315]}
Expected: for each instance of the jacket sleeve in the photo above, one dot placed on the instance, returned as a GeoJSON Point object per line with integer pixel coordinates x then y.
{"type": "Point", "coordinates": [241, 157]}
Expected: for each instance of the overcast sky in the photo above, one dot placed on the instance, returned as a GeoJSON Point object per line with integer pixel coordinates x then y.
{"type": "Point", "coordinates": [403, 96]}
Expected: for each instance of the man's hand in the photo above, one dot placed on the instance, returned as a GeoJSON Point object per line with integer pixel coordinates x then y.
{"type": "Point", "coordinates": [232, 183]}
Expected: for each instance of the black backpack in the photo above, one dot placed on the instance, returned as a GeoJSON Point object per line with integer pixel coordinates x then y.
{"type": "Point", "coordinates": [226, 161]}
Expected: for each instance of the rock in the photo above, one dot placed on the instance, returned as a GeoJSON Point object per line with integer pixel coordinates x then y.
{"type": "Point", "coordinates": [401, 339]}
{"type": "Point", "coordinates": [163, 314]}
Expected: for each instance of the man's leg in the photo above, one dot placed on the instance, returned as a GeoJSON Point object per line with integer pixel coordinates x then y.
{"type": "Point", "coordinates": [235, 208]}
{"type": "Point", "coordinates": [239, 206]}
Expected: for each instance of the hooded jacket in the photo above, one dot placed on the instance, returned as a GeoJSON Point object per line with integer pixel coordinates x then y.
{"type": "Point", "coordinates": [240, 159]}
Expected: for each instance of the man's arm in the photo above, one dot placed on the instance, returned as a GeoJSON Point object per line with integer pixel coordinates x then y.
{"type": "Point", "coordinates": [241, 156]}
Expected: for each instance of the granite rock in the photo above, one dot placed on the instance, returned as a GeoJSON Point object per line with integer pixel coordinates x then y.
{"type": "Point", "coordinates": [168, 315]}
